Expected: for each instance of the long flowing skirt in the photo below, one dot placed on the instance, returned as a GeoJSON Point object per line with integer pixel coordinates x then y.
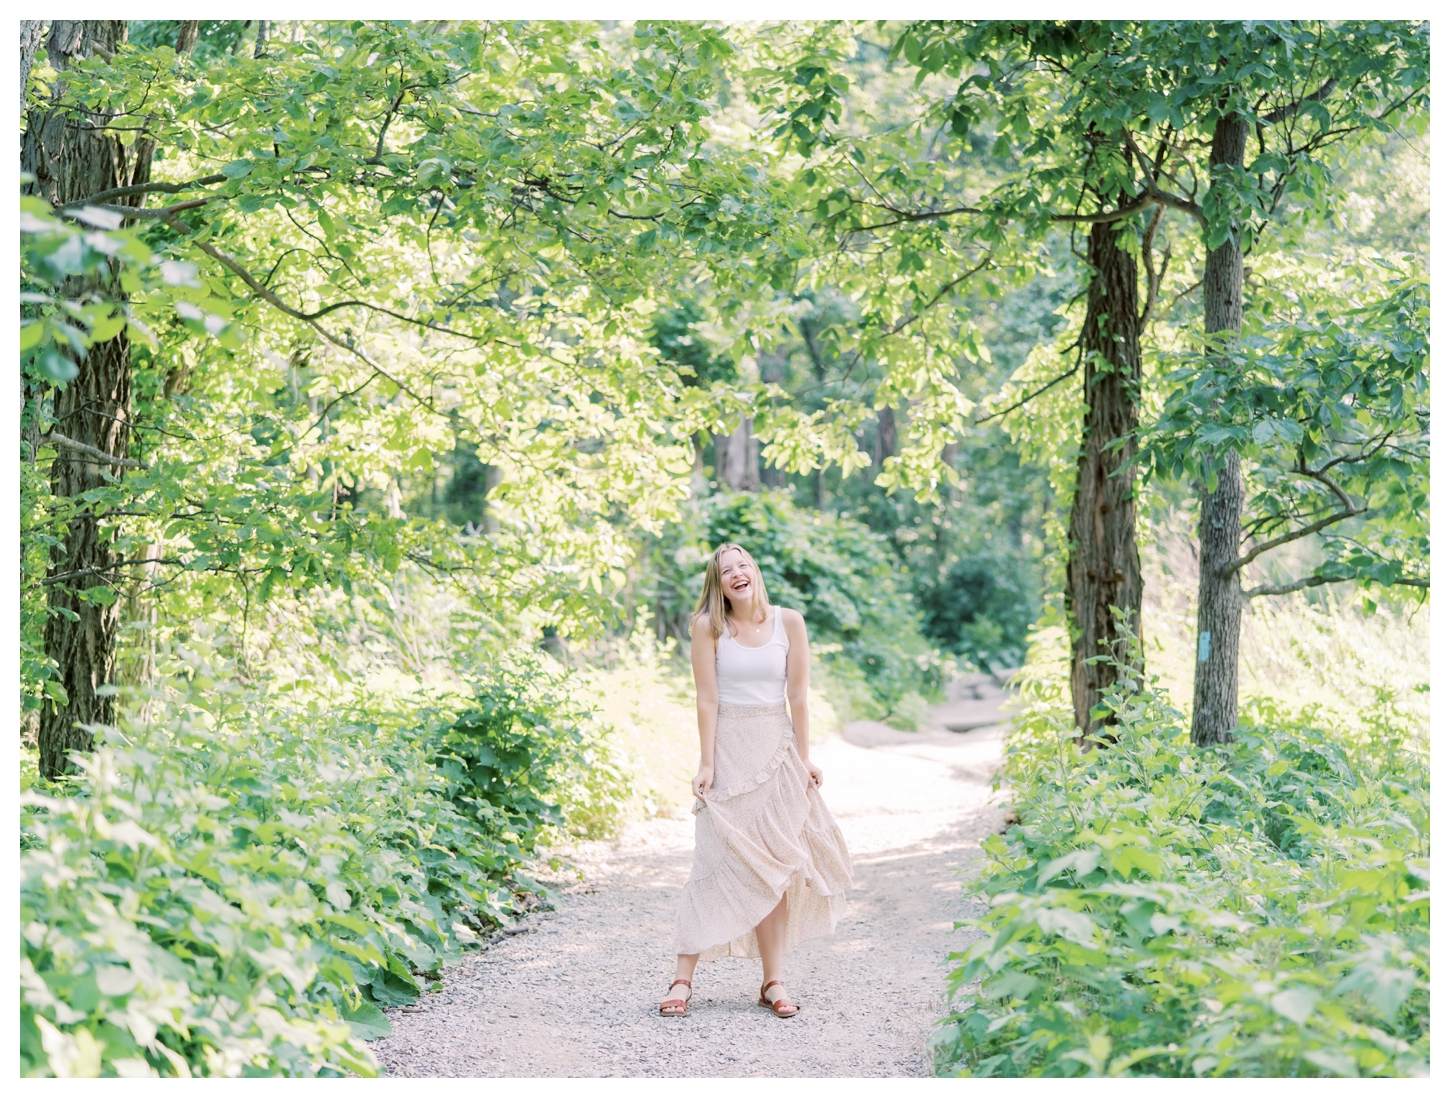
{"type": "Point", "coordinates": [761, 832]}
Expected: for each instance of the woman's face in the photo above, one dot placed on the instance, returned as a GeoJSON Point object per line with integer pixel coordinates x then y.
{"type": "Point", "coordinates": [737, 577]}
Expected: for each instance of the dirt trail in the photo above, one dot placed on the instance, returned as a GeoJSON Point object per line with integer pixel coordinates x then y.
{"type": "Point", "coordinates": [576, 994]}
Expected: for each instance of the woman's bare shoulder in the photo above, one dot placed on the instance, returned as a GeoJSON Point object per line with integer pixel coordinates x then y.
{"type": "Point", "coordinates": [792, 619]}
{"type": "Point", "coordinates": [700, 629]}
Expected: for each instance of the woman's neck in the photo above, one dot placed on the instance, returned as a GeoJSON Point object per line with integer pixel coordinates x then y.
{"type": "Point", "coordinates": [740, 617]}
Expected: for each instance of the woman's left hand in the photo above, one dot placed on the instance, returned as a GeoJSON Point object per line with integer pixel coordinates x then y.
{"type": "Point", "coordinates": [816, 776]}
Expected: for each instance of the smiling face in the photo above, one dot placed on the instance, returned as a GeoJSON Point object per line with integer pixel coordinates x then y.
{"type": "Point", "coordinates": [733, 588]}
{"type": "Point", "coordinates": [737, 577]}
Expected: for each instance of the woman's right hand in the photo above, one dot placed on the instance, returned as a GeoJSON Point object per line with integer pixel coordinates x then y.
{"type": "Point", "coordinates": [703, 781]}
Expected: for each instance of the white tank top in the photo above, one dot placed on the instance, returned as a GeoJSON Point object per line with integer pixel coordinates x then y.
{"type": "Point", "coordinates": [752, 676]}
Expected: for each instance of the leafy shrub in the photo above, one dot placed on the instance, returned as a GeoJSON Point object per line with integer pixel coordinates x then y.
{"type": "Point", "coordinates": [981, 608]}
{"type": "Point", "coordinates": [838, 573]}
{"type": "Point", "coordinates": [236, 886]}
{"type": "Point", "coordinates": [527, 758]}
{"type": "Point", "coordinates": [1260, 909]}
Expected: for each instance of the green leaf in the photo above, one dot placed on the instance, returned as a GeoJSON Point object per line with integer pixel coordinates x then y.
{"type": "Point", "coordinates": [367, 1021]}
{"type": "Point", "coordinates": [1009, 985]}
{"type": "Point", "coordinates": [56, 366]}
{"type": "Point", "coordinates": [1336, 1063]}
{"type": "Point", "coordinates": [1296, 1003]}
{"type": "Point", "coordinates": [237, 169]}
{"type": "Point", "coordinates": [1081, 862]}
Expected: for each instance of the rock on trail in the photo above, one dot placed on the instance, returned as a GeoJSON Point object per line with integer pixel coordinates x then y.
{"type": "Point", "coordinates": [576, 994]}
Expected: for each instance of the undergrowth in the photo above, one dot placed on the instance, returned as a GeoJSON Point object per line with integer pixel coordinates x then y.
{"type": "Point", "coordinates": [1260, 909]}
{"type": "Point", "coordinates": [237, 884]}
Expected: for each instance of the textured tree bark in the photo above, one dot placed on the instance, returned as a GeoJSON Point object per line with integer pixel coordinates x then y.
{"type": "Point", "coordinates": [186, 35]}
{"type": "Point", "coordinates": [1102, 567]}
{"type": "Point", "coordinates": [492, 478]}
{"type": "Point", "coordinates": [885, 436]}
{"type": "Point", "coordinates": [1220, 515]}
{"type": "Point", "coordinates": [737, 459]}
{"type": "Point", "coordinates": [71, 156]}
{"type": "Point", "coordinates": [31, 32]}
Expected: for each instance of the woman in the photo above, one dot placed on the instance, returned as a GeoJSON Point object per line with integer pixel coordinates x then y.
{"type": "Point", "coordinates": [771, 867]}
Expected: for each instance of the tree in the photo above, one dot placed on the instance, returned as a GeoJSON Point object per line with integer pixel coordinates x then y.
{"type": "Point", "coordinates": [1013, 82]}
{"type": "Point", "coordinates": [1103, 573]}
{"type": "Point", "coordinates": [1299, 89]}
{"type": "Point", "coordinates": [336, 191]}
{"type": "Point", "coordinates": [384, 242]}
{"type": "Point", "coordinates": [1179, 101]}
{"type": "Point", "coordinates": [71, 157]}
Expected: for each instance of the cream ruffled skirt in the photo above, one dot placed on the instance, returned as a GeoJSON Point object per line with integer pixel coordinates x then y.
{"type": "Point", "coordinates": [761, 832]}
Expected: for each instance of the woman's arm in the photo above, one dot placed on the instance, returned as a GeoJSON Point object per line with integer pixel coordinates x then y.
{"type": "Point", "coordinates": [798, 686]}
{"type": "Point", "coordinates": [707, 701]}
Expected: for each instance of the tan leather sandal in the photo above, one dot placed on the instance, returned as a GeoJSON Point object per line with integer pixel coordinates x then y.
{"type": "Point", "coordinates": [675, 1008]}
{"type": "Point", "coordinates": [782, 1007]}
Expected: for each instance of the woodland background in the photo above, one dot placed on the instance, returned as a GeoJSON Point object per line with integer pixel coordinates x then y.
{"type": "Point", "coordinates": [385, 387]}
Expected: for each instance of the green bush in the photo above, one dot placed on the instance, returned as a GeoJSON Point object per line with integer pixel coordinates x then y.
{"type": "Point", "coordinates": [1261, 909]}
{"type": "Point", "coordinates": [839, 574]}
{"type": "Point", "coordinates": [236, 886]}
{"type": "Point", "coordinates": [982, 607]}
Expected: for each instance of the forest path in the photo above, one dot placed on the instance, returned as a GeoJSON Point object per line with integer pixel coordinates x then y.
{"type": "Point", "coordinates": [576, 993]}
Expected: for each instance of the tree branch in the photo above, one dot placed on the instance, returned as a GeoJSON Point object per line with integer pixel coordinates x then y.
{"type": "Point", "coordinates": [1320, 581]}
{"type": "Point", "coordinates": [1288, 110]}
{"type": "Point", "coordinates": [1138, 205]}
{"type": "Point", "coordinates": [1034, 395]}
{"type": "Point", "coordinates": [145, 188]}
{"type": "Point", "coordinates": [377, 157]}
{"type": "Point", "coordinates": [272, 299]}
{"type": "Point", "coordinates": [1349, 511]}
{"type": "Point", "coordinates": [904, 217]}
{"type": "Point", "coordinates": [109, 568]}
{"type": "Point", "coordinates": [1292, 535]}
{"type": "Point", "coordinates": [1297, 585]}
{"type": "Point", "coordinates": [1153, 275]}
{"type": "Point", "coordinates": [138, 212]}
{"type": "Point", "coordinates": [61, 442]}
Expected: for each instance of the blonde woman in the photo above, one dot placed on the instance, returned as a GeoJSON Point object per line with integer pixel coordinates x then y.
{"type": "Point", "coordinates": [771, 867]}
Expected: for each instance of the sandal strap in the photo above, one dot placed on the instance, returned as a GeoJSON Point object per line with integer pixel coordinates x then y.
{"type": "Point", "coordinates": [766, 987]}
{"type": "Point", "coordinates": [678, 982]}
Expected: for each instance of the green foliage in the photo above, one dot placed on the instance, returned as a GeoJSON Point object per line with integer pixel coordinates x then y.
{"type": "Point", "coordinates": [237, 883]}
{"type": "Point", "coordinates": [79, 274]}
{"type": "Point", "coordinates": [1262, 909]}
{"type": "Point", "coordinates": [1328, 401]}
{"type": "Point", "coordinates": [1074, 97]}
{"type": "Point", "coordinates": [677, 338]}
{"type": "Point", "coordinates": [981, 609]}
{"type": "Point", "coordinates": [841, 576]}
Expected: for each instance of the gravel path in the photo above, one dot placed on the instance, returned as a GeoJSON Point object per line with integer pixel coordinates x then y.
{"type": "Point", "coordinates": [576, 993]}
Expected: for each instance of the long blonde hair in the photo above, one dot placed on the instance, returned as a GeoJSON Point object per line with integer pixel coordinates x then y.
{"type": "Point", "coordinates": [715, 604]}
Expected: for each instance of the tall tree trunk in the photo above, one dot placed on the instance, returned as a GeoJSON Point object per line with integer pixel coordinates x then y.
{"type": "Point", "coordinates": [31, 32]}
{"type": "Point", "coordinates": [737, 459]}
{"type": "Point", "coordinates": [1220, 514]}
{"type": "Point", "coordinates": [885, 436]}
{"type": "Point", "coordinates": [492, 478]}
{"type": "Point", "coordinates": [71, 157]}
{"type": "Point", "coordinates": [1102, 565]}
{"type": "Point", "coordinates": [186, 33]}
